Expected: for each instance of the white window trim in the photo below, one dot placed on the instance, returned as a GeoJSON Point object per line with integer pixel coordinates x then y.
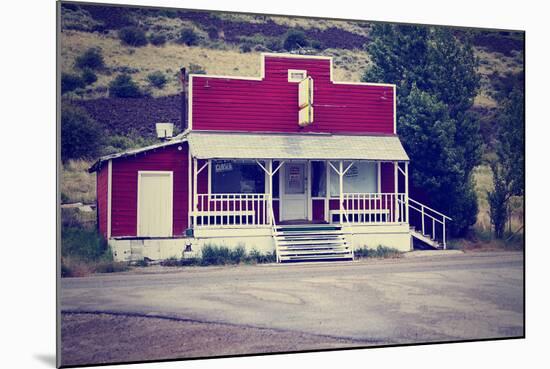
{"type": "Point", "coordinates": [296, 80]}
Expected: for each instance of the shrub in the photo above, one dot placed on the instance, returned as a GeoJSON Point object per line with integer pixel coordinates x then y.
{"type": "Point", "coordinates": [132, 36]}
{"type": "Point", "coordinates": [379, 252]}
{"type": "Point", "coordinates": [70, 82]}
{"type": "Point", "coordinates": [157, 40]}
{"type": "Point", "coordinates": [316, 45]}
{"type": "Point", "coordinates": [88, 76]}
{"type": "Point", "coordinates": [246, 48]}
{"type": "Point", "coordinates": [157, 79]}
{"type": "Point", "coordinates": [91, 59]}
{"type": "Point", "coordinates": [256, 257]}
{"type": "Point", "coordinates": [81, 136]}
{"type": "Point", "coordinates": [124, 86]}
{"type": "Point", "coordinates": [84, 244]}
{"type": "Point", "coordinates": [221, 255]}
{"type": "Point", "coordinates": [188, 37]}
{"type": "Point", "coordinates": [295, 39]}
{"type": "Point", "coordinates": [212, 33]}
{"type": "Point", "coordinates": [274, 44]}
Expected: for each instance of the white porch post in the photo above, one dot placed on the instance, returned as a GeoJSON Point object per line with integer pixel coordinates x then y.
{"type": "Point", "coordinates": [395, 185]}
{"type": "Point", "coordinates": [195, 189]}
{"type": "Point", "coordinates": [270, 189]}
{"type": "Point", "coordinates": [406, 199]}
{"type": "Point", "coordinates": [341, 174]}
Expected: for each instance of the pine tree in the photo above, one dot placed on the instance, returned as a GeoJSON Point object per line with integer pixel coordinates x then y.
{"type": "Point", "coordinates": [436, 79]}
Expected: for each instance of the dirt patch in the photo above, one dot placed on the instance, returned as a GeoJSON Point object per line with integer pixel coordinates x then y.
{"type": "Point", "coordinates": [108, 338]}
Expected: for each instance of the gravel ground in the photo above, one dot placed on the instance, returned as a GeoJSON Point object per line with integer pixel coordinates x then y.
{"type": "Point", "coordinates": [97, 338]}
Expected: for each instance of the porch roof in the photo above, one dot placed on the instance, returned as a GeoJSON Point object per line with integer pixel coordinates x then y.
{"type": "Point", "coordinates": [224, 145]}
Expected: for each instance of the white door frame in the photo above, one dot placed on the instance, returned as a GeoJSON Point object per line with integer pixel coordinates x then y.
{"type": "Point", "coordinates": [171, 175]}
{"type": "Point", "coordinates": [307, 194]}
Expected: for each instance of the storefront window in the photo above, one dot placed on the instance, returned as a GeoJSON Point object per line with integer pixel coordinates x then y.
{"type": "Point", "coordinates": [362, 177]}
{"type": "Point", "coordinates": [237, 177]}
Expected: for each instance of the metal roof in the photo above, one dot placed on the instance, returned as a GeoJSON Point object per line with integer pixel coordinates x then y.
{"type": "Point", "coordinates": [182, 137]}
{"type": "Point", "coordinates": [224, 145]}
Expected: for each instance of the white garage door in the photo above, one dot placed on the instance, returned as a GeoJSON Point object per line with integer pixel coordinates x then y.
{"type": "Point", "coordinates": [155, 197]}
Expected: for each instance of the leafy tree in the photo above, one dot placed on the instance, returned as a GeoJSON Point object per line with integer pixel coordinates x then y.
{"type": "Point", "coordinates": [295, 39]}
{"type": "Point", "coordinates": [509, 170]}
{"type": "Point", "coordinates": [511, 138]}
{"type": "Point", "coordinates": [81, 136]}
{"type": "Point", "coordinates": [124, 86]}
{"type": "Point", "coordinates": [498, 200]}
{"type": "Point", "coordinates": [436, 79]}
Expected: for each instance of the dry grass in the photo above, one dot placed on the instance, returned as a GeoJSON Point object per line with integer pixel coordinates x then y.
{"type": "Point", "coordinates": [348, 65]}
{"type": "Point", "coordinates": [77, 185]}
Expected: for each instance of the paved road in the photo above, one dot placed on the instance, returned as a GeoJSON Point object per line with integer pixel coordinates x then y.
{"type": "Point", "coordinates": [475, 295]}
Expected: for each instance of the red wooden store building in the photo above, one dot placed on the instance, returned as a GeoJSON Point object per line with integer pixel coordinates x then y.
{"type": "Point", "coordinates": [290, 161]}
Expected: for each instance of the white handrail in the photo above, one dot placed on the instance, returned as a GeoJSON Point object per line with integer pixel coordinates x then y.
{"type": "Point", "coordinates": [427, 207]}
{"type": "Point", "coordinates": [274, 230]}
{"type": "Point", "coordinates": [424, 214]}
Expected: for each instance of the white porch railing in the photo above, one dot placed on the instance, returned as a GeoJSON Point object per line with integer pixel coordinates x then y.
{"type": "Point", "coordinates": [230, 209]}
{"type": "Point", "coordinates": [371, 208]}
{"type": "Point", "coordinates": [437, 222]}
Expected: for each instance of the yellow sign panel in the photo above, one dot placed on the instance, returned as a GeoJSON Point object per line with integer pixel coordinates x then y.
{"type": "Point", "coordinates": [305, 116]}
{"type": "Point", "coordinates": [305, 92]}
{"type": "Point", "coordinates": [305, 102]}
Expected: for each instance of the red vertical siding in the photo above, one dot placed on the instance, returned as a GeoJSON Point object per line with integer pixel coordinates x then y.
{"type": "Point", "coordinates": [318, 210]}
{"type": "Point", "coordinates": [271, 104]}
{"type": "Point", "coordinates": [124, 187]}
{"type": "Point", "coordinates": [102, 196]}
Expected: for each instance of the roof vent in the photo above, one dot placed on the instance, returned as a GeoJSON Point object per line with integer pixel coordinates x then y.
{"type": "Point", "coordinates": [165, 130]}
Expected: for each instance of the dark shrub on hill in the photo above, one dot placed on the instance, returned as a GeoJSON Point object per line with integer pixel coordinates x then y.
{"type": "Point", "coordinates": [157, 79]}
{"type": "Point", "coordinates": [88, 76]}
{"type": "Point", "coordinates": [212, 33]}
{"type": "Point", "coordinates": [132, 36]}
{"type": "Point", "coordinates": [316, 45]}
{"type": "Point", "coordinates": [246, 47]}
{"type": "Point", "coordinates": [157, 40]}
{"type": "Point", "coordinates": [124, 86]}
{"type": "Point", "coordinates": [91, 59]}
{"type": "Point", "coordinates": [81, 136]}
{"type": "Point", "coordinates": [70, 82]}
{"type": "Point", "coordinates": [274, 44]}
{"type": "Point", "coordinates": [188, 37]}
{"type": "Point", "coordinates": [295, 39]}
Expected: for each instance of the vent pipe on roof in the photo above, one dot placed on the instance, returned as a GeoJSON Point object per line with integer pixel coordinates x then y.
{"type": "Point", "coordinates": [183, 99]}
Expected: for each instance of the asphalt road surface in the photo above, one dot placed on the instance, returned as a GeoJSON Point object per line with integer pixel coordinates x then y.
{"type": "Point", "coordinates": [364, 303]}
